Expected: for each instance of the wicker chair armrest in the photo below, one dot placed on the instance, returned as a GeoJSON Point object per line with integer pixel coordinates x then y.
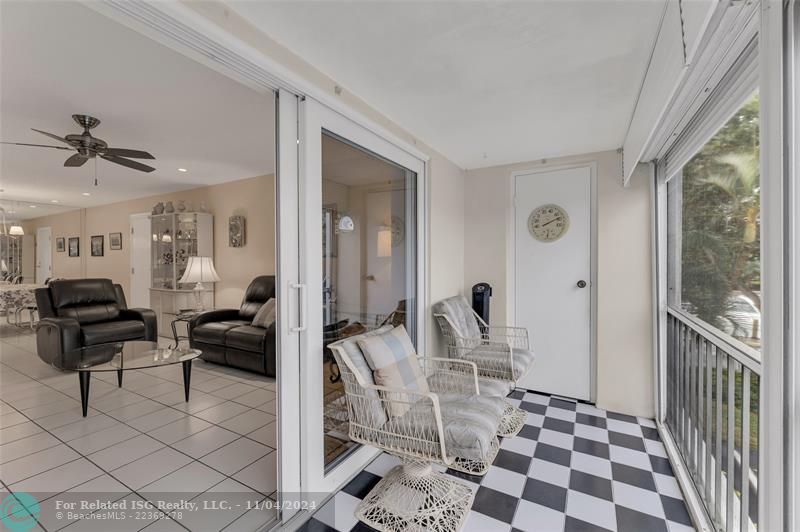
{"type": "Point", "coordinates": [450, 375]}
{"type": "Point", "coordinates": [419, 432]}
{"type": "Point", "coordinates": [514, 336]}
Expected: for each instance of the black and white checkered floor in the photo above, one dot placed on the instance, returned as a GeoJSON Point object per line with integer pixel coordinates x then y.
{"type": "Point", "coordinates": [573, 467]}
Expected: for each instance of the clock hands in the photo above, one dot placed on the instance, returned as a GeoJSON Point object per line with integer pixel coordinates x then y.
{"type": "Point", "coordinates": [551, 221]}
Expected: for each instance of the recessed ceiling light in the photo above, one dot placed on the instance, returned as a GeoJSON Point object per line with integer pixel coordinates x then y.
{"type": "Point", "coordinates": [12, 212]}
{"type": "Point", "coordinates": [32, 206]}
{"type": "Point", "coordinates": [53, 201]}
{"type": "Point", "coordinates": [86, 194]}
{"type": "Point", "coordinates": [182, 170]}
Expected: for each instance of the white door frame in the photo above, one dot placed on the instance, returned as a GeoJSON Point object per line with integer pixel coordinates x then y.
{"type": "Point", "coordinates": [287, 277]}
{"type": "Point", "coordinates": [41, 277]}
{"type": "Point", "coordinates": [131, 254]}
{"type": "Point", "coordinates": [314, 118]}
{"type": "Point", "coordinates": [511, 251]}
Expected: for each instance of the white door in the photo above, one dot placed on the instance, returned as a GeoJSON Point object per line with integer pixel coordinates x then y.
{"type": "Point", "coordinates": [384, 286]}
{"type": "Point", "coordinates": [552, 290]}
{"type": "Point", "coordinates": [44, 255]}
{"type": "Point", "coordinates": [139, 296]}
{"type": "Point", "coordinates": [336, 149]}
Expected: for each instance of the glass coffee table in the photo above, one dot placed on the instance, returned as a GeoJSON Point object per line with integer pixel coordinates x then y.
{"type": "Point", "coordinates": [123, 356]}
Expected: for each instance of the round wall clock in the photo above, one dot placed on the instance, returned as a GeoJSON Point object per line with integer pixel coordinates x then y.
{"type": "Point", "coordinates": [548, 223]}
{"type": "Point", "coordinates": [398, 231]}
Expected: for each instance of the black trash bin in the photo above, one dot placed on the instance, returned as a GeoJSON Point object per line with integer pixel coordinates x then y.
{"type": "Point", "coordinates": [481, 293]}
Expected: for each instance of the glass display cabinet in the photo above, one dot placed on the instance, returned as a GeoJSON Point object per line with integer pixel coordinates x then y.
{"type": "Point", "coordinates": [176, 237]}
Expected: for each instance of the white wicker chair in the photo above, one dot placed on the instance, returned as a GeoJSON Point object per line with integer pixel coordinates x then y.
{"type": "Point", "coordinates": [412, 496]}
{"type": "Point", "coordinates": [502, 354]}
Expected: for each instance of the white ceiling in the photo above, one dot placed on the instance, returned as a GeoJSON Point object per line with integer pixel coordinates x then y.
{"type": "Point", "coordinates": [25, 210]}
{"type": "Point", "coordinates": [347, 165]}
{"type": "Point", "coordinates": [483, 82]}
{"type": "Point", "coordinates": [64, 58]}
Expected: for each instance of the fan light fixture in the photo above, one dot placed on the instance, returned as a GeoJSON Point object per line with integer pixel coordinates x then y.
{"type": "Point", "coordinates": [88, 147]}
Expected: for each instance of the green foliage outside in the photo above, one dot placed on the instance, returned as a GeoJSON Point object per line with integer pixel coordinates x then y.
{"type": "Point", "coordinates": [720, 218]}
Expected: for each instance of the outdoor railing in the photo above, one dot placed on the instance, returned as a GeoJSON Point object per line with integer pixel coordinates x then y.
{"type": "Point", "coordinates": [712, 414]}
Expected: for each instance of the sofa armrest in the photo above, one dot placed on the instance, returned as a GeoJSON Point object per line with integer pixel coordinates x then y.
{"type": "Point", "coordinates": [56, 336]}
{"type": "Point", "coordinates": [144, 315]}
{"type": "Point", "coordinates": [209, 316]}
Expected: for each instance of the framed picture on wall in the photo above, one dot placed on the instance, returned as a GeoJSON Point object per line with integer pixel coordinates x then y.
{"type": "Point", "coordinates": [97, 245]}
{"type": "Point", "coordinates": [74, 246]}
{"type": "Point", "coordinates": [60, 245]}
{"type": "Point", "coordinates": [115, 240]}
{"type": "Point", "coordinates": [236, 233]}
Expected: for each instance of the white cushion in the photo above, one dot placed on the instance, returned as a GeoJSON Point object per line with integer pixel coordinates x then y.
{"type": "Point", "coordinates": [469, 422]}
{"type": "Point", "coordinates": [394, 364]}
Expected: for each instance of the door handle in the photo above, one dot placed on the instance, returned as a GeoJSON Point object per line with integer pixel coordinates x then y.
{"type": "Point", "coordinates": [301, 295]}
{"type": "Point", "coordinates": [581, 284]}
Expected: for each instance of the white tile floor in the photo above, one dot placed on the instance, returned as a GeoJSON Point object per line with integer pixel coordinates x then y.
{"type": "Point", "coordinates": [141, 442]}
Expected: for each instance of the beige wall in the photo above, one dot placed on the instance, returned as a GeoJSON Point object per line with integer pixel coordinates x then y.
{"type": "Point", "coordinates": [624, 312]}
{"type": "Point", "coordinates": [253, 198]}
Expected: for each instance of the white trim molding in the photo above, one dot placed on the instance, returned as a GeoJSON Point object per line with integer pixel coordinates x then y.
{"type": "Point", "coordinates": [792, 205]}
{"type": "Point", "coordinates": [694, 502]}
{"type": "Point", "coordinates": [772, 493]}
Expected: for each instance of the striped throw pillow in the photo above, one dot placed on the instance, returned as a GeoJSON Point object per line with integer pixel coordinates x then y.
{"type": "Point", "coordinates": [393, 361]}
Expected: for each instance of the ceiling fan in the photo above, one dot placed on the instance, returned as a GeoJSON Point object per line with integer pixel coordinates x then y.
{"type": "Point", "coordinates": [89, 147]}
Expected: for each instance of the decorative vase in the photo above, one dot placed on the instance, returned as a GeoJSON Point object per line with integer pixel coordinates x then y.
{"type": "Point", "coordinates": [181, 206]}
{"type": "Point", "coordinates": [170, 208]}
{"type": "Point", "coordinates": [203, 207]}
{"type": "Point", "coordinates": [158, 208]}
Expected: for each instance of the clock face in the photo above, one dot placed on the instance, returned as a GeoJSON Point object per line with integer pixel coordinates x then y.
{"type": "Point", "coordinates": [548, 223]}
{"type": "Point", "coordinates": [398, 231]}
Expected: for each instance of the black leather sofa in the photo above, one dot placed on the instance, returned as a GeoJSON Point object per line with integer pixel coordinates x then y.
{"type": "Point", "coordinates": [77, 313]}
{"type": "Point", "coordinates": [226, 336]}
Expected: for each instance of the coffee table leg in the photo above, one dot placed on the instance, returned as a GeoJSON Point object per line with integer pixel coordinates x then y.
{"type": "Point", "coordinates": [119, 378]}
{"type": "Point", "coordinates": [187, 377]}
{"type": "Point", "coordinates": [83, 376]}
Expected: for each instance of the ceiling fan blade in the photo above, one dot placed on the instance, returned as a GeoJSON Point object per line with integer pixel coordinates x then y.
{"type": "Point", "coordinates": [36, 145]}
{"type": "Point", "coordinates": [76, 160]}
{"type": "Point", "coordinates": [133, 154]}
{"type": "Point", "coordinates": [56, 137]}
{"type": "Point", "coordinates": [127, 162]}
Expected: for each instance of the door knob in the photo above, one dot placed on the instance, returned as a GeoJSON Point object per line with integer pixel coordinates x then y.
{"type": "Point", "coordinates": [581, 284]}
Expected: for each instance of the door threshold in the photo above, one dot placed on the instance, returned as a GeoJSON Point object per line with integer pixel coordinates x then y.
{"type": "Point", "coordinates": [561, 397]}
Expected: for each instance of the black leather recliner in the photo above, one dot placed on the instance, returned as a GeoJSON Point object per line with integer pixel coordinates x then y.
{"type": "Point", "coordinates": [226, 336]}
{"type": "Point", "coordinates": [76, 313]}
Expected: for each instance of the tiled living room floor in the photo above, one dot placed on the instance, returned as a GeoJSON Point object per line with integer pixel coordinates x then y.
{"type": "Point", "coordinates": [138, 442]}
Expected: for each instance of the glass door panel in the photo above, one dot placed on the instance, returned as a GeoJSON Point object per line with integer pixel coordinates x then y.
{"type": "Point", "coordinates": [368, 268]}
{"type": "Point", "coordinates": [359, 263]}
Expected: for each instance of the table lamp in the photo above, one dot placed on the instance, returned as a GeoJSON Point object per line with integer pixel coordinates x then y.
{"type": "Point", "coordinates": [200, 270]}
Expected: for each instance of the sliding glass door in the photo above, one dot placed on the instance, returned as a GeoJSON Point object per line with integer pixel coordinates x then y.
{"type": "Point", "coordinates": [359, 268]}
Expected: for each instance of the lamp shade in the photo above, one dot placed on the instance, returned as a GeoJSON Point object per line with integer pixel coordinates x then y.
{"type": "Point", "coordinates": [3, 266]}
{"type": "Point", "coordinates": [200, 270]}
{"type": "Point", "coordinates": [16, 230]}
